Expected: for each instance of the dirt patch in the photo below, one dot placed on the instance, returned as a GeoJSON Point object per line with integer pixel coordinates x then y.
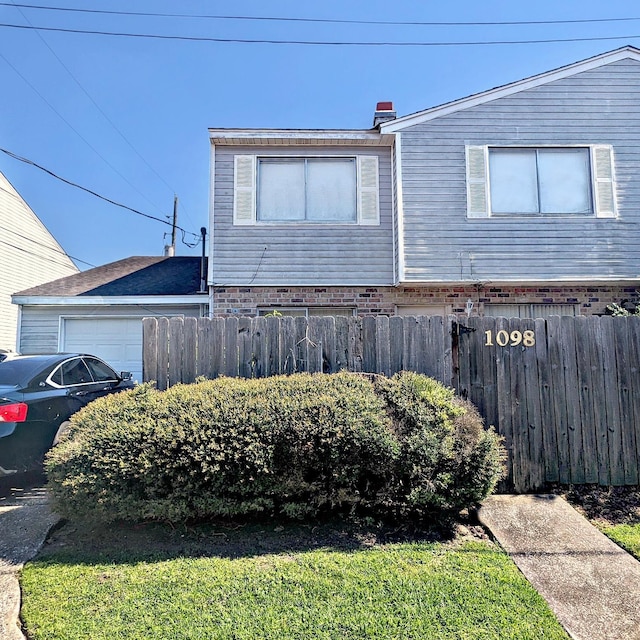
{"type": "Point", "coordinates": [607, 505]}
{"type": "Point", "coordinates": [123, 542]}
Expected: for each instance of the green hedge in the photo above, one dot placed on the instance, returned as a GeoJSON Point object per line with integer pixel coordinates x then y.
{"type": "Point", "coordinates": [299, 446]}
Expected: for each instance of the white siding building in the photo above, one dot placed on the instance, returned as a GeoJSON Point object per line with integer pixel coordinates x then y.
{"type": "Point", "coordinates": [29, 256]}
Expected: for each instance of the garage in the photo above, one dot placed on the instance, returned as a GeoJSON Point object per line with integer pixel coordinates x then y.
{"type": "Point", "coordinates": [118, 341]}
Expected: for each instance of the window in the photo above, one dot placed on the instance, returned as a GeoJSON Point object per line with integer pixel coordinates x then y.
{"type": "Point", "coordinates": [315, 190]}
{"type": "Point", "coordinates": [423, 310]}
{"type": "Point", "coordinates": [307, 311]}
{"type": "Point", "coordinates": [100, 371]}
{"type": "Point", "coordinates": [542, 181]}
{"type": "Point", "coordinates": [72, 372]}
{"type": "Point", "coordinates": [530, 310]}
{"type": "Point", "coordinates": [311, 190]}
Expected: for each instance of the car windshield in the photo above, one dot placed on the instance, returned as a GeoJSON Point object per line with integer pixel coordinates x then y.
{"type": "Point", "coordinates": [19, 371]}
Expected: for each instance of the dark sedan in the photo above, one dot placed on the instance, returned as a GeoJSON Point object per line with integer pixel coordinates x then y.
{"type": "Point", "coordinates": [39, 393]}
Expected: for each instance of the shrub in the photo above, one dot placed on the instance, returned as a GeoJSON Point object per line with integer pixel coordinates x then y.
{"type": "Point", "coordinates": [298, 446]}
{"type": "Point", "coordinates": [447, 461]}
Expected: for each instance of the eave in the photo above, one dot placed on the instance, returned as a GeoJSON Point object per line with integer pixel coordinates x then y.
{"type": "Point", "coordinates": [87, 301]}
{"type": "Point", "coordinates": [289, 137]}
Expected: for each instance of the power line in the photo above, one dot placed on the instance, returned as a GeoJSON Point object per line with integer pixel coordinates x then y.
{"type": "Point", "coordinates": [95, 104]}
{"type": "Point", "coordinates": [33, 253]}
{"type": "Point", "coordinates": [74, 129]}
{"type": "Point", "coordinates": [93, 193]}
{"type": "Point", "coordinates": [322, 20]}
{"type": "Point", "coordinates": [158, 36]}
{"type": "Point", "coordinates": [45, 246]}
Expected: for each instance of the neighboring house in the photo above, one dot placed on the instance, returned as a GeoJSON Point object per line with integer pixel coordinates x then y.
{"type": "Point", "coordinates": [523, 200]}
{"type": "Point", "coordinates": [100, 311]}
{"type": "Point", "coordinates": [29, 255]}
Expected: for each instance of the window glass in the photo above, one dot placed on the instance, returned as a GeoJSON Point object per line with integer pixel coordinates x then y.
{"type": "Point", "coordinates": [308, 312]}
{"type": "Point", "coordinates": [307, 190]}
{"type": "Point", "coordinates": [331, 190]}
{"type": "Point", "coordinates": [75, 372]}
{"type": "Point", "coordinates": [548, 181]}
{"type": "Point", "coordinates": [423, 310]}
{"type": "Point", "coordinates": [56, 378]}
{"type": "Point", "coordinates": [331, 311]}
{"type": "Point", "coordinates": [100, 371]}
{"type": "Point", "coordinates": [564, 181]}
{"type": "Point", "coordinates": [281, 190]}
{"type": "Point", "coordinates": [530, 310]}
{"type": "Point", "coordinates": [513, 181]}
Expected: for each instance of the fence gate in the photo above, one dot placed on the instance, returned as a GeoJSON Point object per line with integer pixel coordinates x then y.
{"type": "Point", "coordinates": [563, 391]}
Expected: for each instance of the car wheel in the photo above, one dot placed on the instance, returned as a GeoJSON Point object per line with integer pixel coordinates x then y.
{"type": "Point", "coordinates": [62, 429]}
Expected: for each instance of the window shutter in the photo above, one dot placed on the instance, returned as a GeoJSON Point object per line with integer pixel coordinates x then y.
{"type": "Point", "coordinates": [368, 200]}
{"type": "Point", "coordinates": [604, 181]}
{"type": "Point", "coordinates": [477, 187]}
{"type": "Point", "coordinates": [244, 190]}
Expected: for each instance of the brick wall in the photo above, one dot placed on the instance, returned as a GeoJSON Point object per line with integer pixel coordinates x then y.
{"type": "Point", "coordinates": [383, 300]}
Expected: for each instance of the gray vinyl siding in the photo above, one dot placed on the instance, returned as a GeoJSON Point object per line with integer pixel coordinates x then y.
{"type": "Point", "coordinates": [300, 254]}
{"type": "Point", "coordinates": [40, 325]}
{"type": "Point", "coordinates": [598, 106]}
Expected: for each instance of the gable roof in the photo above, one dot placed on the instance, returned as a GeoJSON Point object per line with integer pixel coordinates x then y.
{"type": "Point", "coordinates": [624, 53]}
{"type": "Point", "coordinates": [135, 276]}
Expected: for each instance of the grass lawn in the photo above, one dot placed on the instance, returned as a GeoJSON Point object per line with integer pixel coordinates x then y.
{"type": "Point", "coordinates": [615, 511]}
{"type": "Point", "coordinates": [274, 582]}
{"type": "Point", "coordinates": [626, 535]}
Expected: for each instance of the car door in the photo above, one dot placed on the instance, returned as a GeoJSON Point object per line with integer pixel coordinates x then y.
{"type": "Point", "coordinates": [106, 379]}
{"type": "Point", "coordinates": [75, 377]}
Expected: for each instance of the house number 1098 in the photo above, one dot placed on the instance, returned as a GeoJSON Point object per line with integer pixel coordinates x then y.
{"type": "Point", "coordinates": [515, 338]}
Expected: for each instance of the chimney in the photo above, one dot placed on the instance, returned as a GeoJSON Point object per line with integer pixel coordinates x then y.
{"type": "Point", "coordinates": [384, 113]}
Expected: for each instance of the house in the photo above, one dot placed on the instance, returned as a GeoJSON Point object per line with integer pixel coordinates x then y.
{"type": "Point", "coordinates": [29, 255]}
{"type": "Point", "coordinates": [100, 311]}
{"type": "Point", "coordinates": [523, 200]}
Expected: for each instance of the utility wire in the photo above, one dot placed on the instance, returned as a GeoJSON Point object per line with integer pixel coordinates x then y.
{"type": "Point", "coordinates": [158, 36]}
{"type": "Point", "coordinates": [45, 246]}
{"type": "Point", "coordinates": [74, 129]}
{"type": "Point", "coordinates": [320, 20]}
{"type": "Point", "coordinates": [93, 193]}
{"type": "Point", "coordinates": [95, 104]}
{"type": "Point", "coordinates": [33, 253]}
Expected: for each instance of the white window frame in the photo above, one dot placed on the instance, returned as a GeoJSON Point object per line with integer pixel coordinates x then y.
{"type": "Point", "coordinates": [245, 200]}
{"type": "Point", "coordinates": [602, 181]}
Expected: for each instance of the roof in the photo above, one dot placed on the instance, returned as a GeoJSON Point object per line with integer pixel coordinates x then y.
{"type": "Point", "coordinates": [624, 53]}
{"type": "Point", "coordinates": [134, 276]}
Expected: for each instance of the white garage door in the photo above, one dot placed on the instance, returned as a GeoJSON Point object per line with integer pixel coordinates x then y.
{"type": "Point", "coordinates": [118, 341]}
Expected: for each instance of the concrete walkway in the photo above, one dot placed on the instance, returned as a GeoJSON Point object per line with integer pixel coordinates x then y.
{"type": "Point", "coordinates": [591, 584]}
{"type": "Point", "coordinates": [25, 520]}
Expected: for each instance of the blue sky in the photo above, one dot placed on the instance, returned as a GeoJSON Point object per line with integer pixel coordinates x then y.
{"type": "Point", "coordinates": [128, 117]}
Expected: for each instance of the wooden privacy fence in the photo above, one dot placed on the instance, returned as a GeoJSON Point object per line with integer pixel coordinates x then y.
{"type": "Point", "coordinates": [564, 392]}
{"type": "Point", "coordinates": [181, 349]}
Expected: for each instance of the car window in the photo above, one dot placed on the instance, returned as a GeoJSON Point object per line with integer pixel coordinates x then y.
{"type": "Point", "coordinates": [100, 371]}
{"type": "Point", "coordinates": [56, 377]}
{"type": "Point", "coordinates": [75, 372]}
